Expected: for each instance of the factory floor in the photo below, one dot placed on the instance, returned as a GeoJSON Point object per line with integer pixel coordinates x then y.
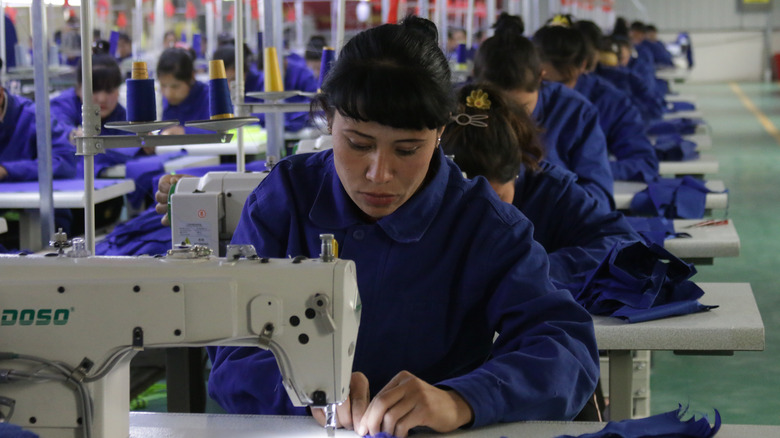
{"type": "Point", "coordinates": [744, 388]}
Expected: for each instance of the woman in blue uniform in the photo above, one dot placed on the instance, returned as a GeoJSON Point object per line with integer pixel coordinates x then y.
{"type": "Point", "coordinates": [184, 98]}
{"type": "Point", "coordinates": [564, 59]}
{"type": "Point", "coordinates": [66, 109]}
{"type": "Point", "coordinates": [296, 77]}
{"type": "Point", "coordinates": [571, 134]}
{"type": "Point", "coordinates": [575, 229]}
{"type": "Point", "coordinates": [435, 254]}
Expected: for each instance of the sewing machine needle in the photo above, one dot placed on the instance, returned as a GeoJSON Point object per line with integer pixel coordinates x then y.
{"type": "Point", "coordinates": [330, 420]}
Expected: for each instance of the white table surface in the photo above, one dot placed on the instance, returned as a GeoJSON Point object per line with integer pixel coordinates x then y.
{"type": "Point", "coordinates": [703, 140]}
{"type": "Point", "coordinates": [673, 74]}
{"type": "Point", "coordinates": [231, 148]}
{"type": "Point", "coordinates": [169, 166]}
{"type": "Point", "coordinates": [66, 199]}
{"type": "Point", "coordinates": [734, 326]}
{"type": "Point", "coordinates": [159, 425]}
{"type": "Point", "coordinates": [689, 114]}
{"type": "Point", "coordinates": [705, 164]}
{"type": "Point", "coordinates": [680, 98]}
{"type": "Point", "coordinates": [3, 225]}
{"type": "Point", "coordinates": [625, 191]}
{"type": "Point", "coordinates": [705, 242]}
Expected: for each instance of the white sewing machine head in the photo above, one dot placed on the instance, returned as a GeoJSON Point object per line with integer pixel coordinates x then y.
{"type": "Point", "coordinates": [70, 325]}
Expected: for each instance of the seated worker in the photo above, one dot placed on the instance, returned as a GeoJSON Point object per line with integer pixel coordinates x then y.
{"type": "Point", "coordinates": [661, 55]}
{"type": "Point", "coordinates": [296, 77]}
{"type": "Point", "coordinates": [124, 47]}
{"type": "Point", "coordinates": [575, 229]}
{"type": "Point", "coordinates": [571, 135]}
{"type": "Point", "coordinates": [19, 152]}
{"type": "Point", "coordinates": [313, 54]}
{"type": "Point", "coordinates": [66, 108]}
{"type": "Point", "coordinates": [184, 98]}
{"type": "Point", "coordinates": [565, 57]}
{"type": "Point", "coordinates": [435, 254]}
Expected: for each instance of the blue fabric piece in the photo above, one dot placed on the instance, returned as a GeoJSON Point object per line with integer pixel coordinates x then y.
{"type": "Point", "coordinates": [194, 107]}
{"type": "Point", "coordinates": [672, 198]}
{"type": "Point", "coordinates": [680, 126]}
{"type": "Point", "coordinates": [636, 282]}
{"type": "Point", "coordinates": [574, 228]}
{"type": "Point", "coordinates": [413, 278]}
{"type": "Point", "coordinates": [673, 107]}
{"type": "Point", "coordinates": [666, 425]}
{"type": "Point", "coordinates": [635, 159]}
{"type": "Point", "coordinates": [296, 77]}
{"type": "Point", "coordinates": [19, 148]}
{"type": "Point", "coordinates": [381, 435]}
{"type": "Point", "coordinates": [572, 138]}
{"type": "Point", "coordinates": [654, 230]}
{"type": "Point", "coordinates": [143, 234]}
{"type": "Point", "coordinates": [673, 147]}
{"type": "Point", "coordinates": [650, 105]}
{"type": "Point", "coordinates": [8, 430]}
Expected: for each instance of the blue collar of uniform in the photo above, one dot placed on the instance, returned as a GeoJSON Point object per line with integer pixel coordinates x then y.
{"type": "Point", "coordinates": [333, 208]}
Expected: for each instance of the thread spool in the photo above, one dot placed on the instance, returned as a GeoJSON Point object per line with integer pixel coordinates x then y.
{"type": "Point", "coordinates": [461, 54]}
{"type": "Point", "coordinates": [197, 43]}
{"type": "Point", "coordinates": [273, 76]}
{"type": "Point", "coordinates": [113, 41]}
{"type": "Point", "coordinates": [327, 60]}
{"type": "Point", "coordinates": [141, 105]}
{"type": "Point", "coordinates": [220, 106]}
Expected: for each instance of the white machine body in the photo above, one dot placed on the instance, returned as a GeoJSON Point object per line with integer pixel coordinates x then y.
{"type": "Point", "coordinates": [205, 211]}
{"type": "Point", "coordinates": [67, 309]}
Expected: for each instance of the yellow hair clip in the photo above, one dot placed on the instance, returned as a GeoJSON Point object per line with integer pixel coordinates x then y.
{"type": "Point", "coordinates": [560, 20]}
{"type": "Point", "coordinates": [478, 99]}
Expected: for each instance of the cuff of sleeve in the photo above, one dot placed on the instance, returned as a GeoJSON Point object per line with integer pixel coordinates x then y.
{"type": "Point", "coordinates": [478, 396]}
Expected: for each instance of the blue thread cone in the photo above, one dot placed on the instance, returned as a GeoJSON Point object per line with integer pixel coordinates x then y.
{"type": "Point", "coordinates": [220, 106]}
{"type": "Point", "coordinates": [141, 105]}
{"type": "Point", "coordinates": [196, 45]}
{"type": "Point", "coordinates": [461, 54]}
{"type": "Point", "coordinates": [113, 41]}
{"type": "Point", "coordinates": [327, 60]}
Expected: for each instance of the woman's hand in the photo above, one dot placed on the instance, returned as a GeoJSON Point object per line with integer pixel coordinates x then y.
{"type": "Point", "coordinates": [349, 414]}
{"type": "Point", "coordinates": [163, 188]}
{"type": "Point", "coordinates": [407, 402]}
{"type": "Point", "coordinates": [173, 130]}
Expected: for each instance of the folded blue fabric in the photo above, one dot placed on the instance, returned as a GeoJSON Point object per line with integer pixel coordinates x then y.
{"type": "Point", "coordinates": [672, 198]}
{"type": "Point", "coordinates": [682, 126]}
{"type": "Point", "coordinates": [666, 425]}
{"type": "Point", "coordinates": [8, 430]}
{"type": "Point", "coordinates": [143, 234]}
{"type": "Point", "coordinates": [652, 229]}
{"type": "Point", "coordinates": [636, 283]}
{"type": "Point", "coordinates": [672, 147]}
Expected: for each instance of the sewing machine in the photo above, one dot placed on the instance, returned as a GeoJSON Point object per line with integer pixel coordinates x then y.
{"type": "Point", "coordinates": [205, 210]}
{"type": "Point", "coordinates": [70, 325]}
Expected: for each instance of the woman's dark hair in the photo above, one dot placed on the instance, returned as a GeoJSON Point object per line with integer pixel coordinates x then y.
{"type": "Point", "coordinates": [393, 74]}
{"type": "Point", "coordinates": [564, 48]}
{"type": "Point", "coordinates": [176, 62]}
{"type": "Point", "coordinates": [106, 75]}
{"type": "Point", "coordinates": [508, 59]}
{"type": "Point", "coordinates": [314, 48]}
{"type": "Point", "coordinates": [499, 150]}
{"type": "Point", "coordinates": [593, 38]}
{"type": "Point", "coordinates": [621, 27]}
{"type": "Point", "coordinates": [227, 53]}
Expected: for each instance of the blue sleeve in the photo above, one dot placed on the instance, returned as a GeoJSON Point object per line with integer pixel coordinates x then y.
{"type": "Point", "coordinates": [589, 160]}
{"type": "Point", "coordinates": [63, 154]}
{"type": "Point", "coordinates": [635, 158]}
{"type": "Point", "coordinates": [544, 363]}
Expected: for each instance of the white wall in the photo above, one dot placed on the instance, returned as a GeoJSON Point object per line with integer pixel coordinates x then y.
{"type": "Point", "coordinates": [728, 56]}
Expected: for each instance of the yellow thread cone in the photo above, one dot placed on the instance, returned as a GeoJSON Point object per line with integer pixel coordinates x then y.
{"type": "Point", "coordinates": [273, 76]}
{"type": "Point", "coordinates": [139, 70]}
{"type": "Point", "coordinates": [217, 69]}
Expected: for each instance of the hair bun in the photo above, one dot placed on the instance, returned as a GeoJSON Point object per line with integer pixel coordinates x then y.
{"type": "Point", "coordinates": [422, 25]}
{"type": "Point", "coordinates": [509, 25]}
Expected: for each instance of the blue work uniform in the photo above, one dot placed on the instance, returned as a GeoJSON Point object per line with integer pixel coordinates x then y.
{"type": "Point", "coordinates": [453, 263]}
{"type": "Point", "coordinates": [650, 106]}
{"type": "Point", "coordinates": [296, 77]}
{"type": "Point", "coordinates": [66, 108]}
{"type": "Point", "coordinates": [194, 107]}
{"type": "Point", "coordinates": [635, 158]}
{"type": "Point", "coordinates": [18, 145]}
{"type": "Point", "coordinates": [576, 230]}
{"type": "Point", "coordinates": [661, 56]}
{"type": "Point", "coordinates": [572, 138]}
